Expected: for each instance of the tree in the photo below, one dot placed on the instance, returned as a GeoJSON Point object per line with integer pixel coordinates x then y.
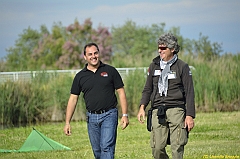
{"type": "Point", "coordinates": [20, 54]}
{"type": "Point", "coordinates": [62, 48]}
{"type": "Point", "coordinates": [49, 48]}
{"type": "Point", "coordinates": [77, 36]}
{"type": "Point", "coordinates": [129, 45]}
{"type": "Point", "coordinates": [131, 39]}
{"type": "Point", "coordinates": [206, 49]}
{"type": "Point", "coordinates": [138, 44]}
{"type": "Point", "coordinates": [203, 47]}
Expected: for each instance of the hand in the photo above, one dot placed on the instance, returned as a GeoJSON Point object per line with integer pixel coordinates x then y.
{"type": "Point", "coordinates": [141, 115]}
{"type": "Point", "coordinates": [67, 129]}
{"type": "Point", "coordinates": [124, 122]}
{"type": "Point", "coordinates": [189, 122]}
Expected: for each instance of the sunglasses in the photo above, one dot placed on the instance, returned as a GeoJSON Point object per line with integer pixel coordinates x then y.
{"type": "Point", "coordinates": [162, 48]}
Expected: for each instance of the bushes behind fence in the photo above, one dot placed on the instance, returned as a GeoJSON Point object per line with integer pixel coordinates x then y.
{"type": "Point", "coordinates": [44, 98]}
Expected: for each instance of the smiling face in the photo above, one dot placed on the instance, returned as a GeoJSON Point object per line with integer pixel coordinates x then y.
{"type": "Point", "coordinates": [165, 53]}
{"type": "Point", "coordinates": [92, 57]}
{"type": "Point", "coordinates": [167, 46]}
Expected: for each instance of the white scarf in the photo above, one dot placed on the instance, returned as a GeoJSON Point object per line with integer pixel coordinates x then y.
{"type": "Point", "coordinates": [163, 79]}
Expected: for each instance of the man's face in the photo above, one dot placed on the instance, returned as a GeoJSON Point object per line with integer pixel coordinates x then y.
{"type": "Point", "coordinates": [92, 56]}
{"type": "Point", "coordinates": [165, 53]}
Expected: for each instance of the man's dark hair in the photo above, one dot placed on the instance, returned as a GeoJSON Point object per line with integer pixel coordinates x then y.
{"type": "Point", "coordinates": [89, 45]}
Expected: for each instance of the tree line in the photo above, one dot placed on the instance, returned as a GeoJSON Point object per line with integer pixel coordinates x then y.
{"type": "Point", "coordinates": [62, 46]}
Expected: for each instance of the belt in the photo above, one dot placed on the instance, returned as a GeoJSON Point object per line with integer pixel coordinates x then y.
{"type": "Point", "coordinates": [100, 111]}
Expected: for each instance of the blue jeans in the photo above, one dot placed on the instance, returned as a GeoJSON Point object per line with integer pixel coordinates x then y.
{"type": "Point", "coordinates": [102, 131]}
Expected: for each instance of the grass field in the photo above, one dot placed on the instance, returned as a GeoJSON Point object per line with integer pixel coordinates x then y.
{"type": "Point", "coordinates": [216, 135]}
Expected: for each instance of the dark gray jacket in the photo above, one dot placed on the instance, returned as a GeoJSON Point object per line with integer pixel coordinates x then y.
{"type": "Point", "coordinates": [180, 87]}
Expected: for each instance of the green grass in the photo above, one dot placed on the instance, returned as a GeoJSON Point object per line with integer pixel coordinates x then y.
{"type": "Point", "coordinates": [215, 135]}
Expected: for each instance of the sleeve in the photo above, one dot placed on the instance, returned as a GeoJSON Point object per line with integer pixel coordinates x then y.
{"type": "Point", "coordinates": [148, 88]}
{"type": "Point", "coordinates": [76, 88]}
{"type": "Point", "coordinates": [189, 91]}
{"type": "Point", "coordinates": [118, 82]}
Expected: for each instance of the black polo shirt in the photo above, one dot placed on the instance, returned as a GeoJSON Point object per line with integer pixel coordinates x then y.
{"type": "Point", "coordinates": [98, 88]}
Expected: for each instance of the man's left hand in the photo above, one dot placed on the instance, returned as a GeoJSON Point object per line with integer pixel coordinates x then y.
{"type": "Point", "coordinates": [124, 122]}
{"type": "Point", "coordinates": [189, 123]}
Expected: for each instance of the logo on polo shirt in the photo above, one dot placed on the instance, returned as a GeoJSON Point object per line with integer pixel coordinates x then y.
{"type": "Point", "coordinates": [104, 74]}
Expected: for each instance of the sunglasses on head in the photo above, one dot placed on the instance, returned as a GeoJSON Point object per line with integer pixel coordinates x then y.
{"type": "Point", "coordinates": [162, 47]}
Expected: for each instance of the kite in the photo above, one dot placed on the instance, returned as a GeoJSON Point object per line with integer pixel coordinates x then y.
{"type": "Point", "coordinates": [36, 141]}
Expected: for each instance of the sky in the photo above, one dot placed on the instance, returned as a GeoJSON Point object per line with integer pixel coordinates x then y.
{"type": "Point", "coordinates": [217, 19]}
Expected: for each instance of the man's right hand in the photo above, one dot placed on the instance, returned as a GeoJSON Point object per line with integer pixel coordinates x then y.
{"type": "Point", "coordinates": [67, 129]}
{"type": "Point", "coordinates": [141, 114]}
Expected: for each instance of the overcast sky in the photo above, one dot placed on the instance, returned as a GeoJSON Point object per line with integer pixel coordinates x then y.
{"type": "Point", "coordinates": [217, 19]}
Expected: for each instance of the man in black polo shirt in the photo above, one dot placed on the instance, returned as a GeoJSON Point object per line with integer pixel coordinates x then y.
{"type": "Point", "coordinates": [98, 83]}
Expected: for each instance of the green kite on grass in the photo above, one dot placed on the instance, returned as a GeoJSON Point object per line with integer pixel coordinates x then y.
{"type": "Point", "coordinates": [36, 141]}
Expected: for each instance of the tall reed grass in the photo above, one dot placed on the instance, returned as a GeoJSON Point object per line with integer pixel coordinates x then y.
{"type": "Point", "coordinates": [134, 85]}
{"type": "Point", "coordinates": [217, 83]}
{"type": "Point", "coordinates": [21, 103]}
{"type": "Point", "coordinates": [44, 98]}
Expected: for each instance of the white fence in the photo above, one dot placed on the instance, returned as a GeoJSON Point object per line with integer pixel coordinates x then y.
{"type": "Point", "coordinates": [28, 75]}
